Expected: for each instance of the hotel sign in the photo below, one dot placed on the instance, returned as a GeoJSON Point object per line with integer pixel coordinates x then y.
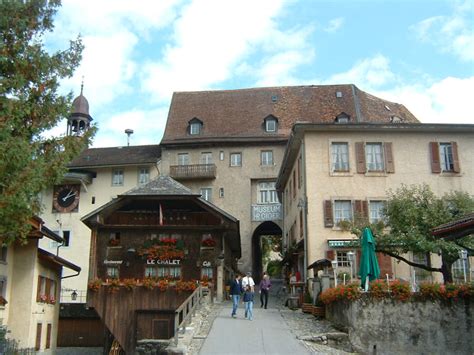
{"type": "Point", "coordinates": [271, 212]}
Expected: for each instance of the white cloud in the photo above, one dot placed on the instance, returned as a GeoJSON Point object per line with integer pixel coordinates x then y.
{"type": "Point", "coordinates": [451, 34]}
{"type": "Point", "coordinates": [371, 72]}
{"type": "Point", "coordinates": [147, 126]}
{"type": "Point", "coordinates": [111, 30]}
{"type": "Point", "coordinates": [334, 25]}
{"type": "Point", "coordinates": [444, 101]}
{"type": "Point", "coordinates": [447, 100]}
{"type": "Point", "coordinates": [210, 40]}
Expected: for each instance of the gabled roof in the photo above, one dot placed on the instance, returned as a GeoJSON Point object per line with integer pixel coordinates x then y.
{"type": "Point", "coordinates": [117, 156]}
{"type": "Point", "coordinates": [453, 230]}
{"type": "Point", "coordinates": [160, 186]}
{"type": "Point", "coordinates": [231, 115]}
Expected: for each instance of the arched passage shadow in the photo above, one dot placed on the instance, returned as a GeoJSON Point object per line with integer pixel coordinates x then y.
{"type": "Point", "coordinates": [264, 229]}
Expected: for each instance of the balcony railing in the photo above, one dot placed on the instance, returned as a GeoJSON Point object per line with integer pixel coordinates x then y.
{"type": "Point", "coordinates": [195, 171]}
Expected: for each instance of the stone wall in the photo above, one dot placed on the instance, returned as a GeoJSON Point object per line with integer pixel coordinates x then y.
{"type": "Point", "coordinates": [415, 327]}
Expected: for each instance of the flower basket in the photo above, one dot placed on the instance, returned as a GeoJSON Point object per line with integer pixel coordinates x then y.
{"type": "Point", "coordinates": [94, 285]}
{"type": "Point", "coordinates": [208, 243]}
{"type": "Point", "coordinates": [162, 252]}
{"type": "Point", "coordinates": [114, 242]}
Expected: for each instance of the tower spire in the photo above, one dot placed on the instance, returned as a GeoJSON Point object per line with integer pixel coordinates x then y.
{"type": "Point", "coordinates": [82, 85]}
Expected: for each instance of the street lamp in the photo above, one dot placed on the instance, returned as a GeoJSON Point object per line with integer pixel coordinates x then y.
{"type": "Point", "coordinates": [334, 267]}
{"type": "Point", "coordinates": [463, 257]}
{"type": "Point", "coordinates": [74, 295]}
{"type": "Point", "coordinates": [350, 257]}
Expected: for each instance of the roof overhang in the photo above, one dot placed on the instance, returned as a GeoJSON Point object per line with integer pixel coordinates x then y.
{"type": "Point", "coordinates": [44, 255]}
{"type": "Point", "coordinates": [457, 229]}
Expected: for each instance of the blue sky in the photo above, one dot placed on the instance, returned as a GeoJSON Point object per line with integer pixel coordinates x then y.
{"type": "Point", "coordinates": [137, 53]}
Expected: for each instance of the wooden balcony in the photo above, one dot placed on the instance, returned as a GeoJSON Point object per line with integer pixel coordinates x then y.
{"type": "Point", "coordinates": [194, 171]}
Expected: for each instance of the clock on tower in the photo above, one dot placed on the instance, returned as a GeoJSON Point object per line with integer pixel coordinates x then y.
{"type": "Point", "coordinates": [66, 198]}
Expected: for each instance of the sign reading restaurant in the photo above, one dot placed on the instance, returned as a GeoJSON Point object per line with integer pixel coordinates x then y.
{"type": "Point", "coordinates": [270, 212]}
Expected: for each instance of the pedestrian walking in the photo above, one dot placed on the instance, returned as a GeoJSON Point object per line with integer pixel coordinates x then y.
{"type": "Point", "coordinates": [264, 287]}
{"type": "Point", "coordinates": [235, 292]}
{"type": "Point", "coordinates": [248, 281]}
{"type": "Point", "coordinates": [248, 300]}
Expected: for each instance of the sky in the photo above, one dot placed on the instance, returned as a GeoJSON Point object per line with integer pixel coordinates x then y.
{"type": "Point", "coordinates": [419, 53]}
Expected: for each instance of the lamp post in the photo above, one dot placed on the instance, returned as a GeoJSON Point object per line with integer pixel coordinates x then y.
{"type": "Point", "coordinates": [74, 295]}
{"type": "Point", "coordinates": [334, 267]}
{"type": "Point", "coordinates": [350, 257]}
{"type": "Point", "coordinates": [463, 257]}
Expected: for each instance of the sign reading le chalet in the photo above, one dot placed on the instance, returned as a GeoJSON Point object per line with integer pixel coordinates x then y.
{"type": "Point", "coordinates": [270, 212]}
{"type": "Point", "coordinates": [162, 262]}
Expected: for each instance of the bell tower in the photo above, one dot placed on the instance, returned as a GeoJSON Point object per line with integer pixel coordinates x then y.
{"type": "Point", "coordinates": [79, 120]}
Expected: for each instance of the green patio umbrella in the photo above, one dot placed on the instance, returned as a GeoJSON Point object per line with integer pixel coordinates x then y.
{"type": "Point", "coordinates": [369, 266]}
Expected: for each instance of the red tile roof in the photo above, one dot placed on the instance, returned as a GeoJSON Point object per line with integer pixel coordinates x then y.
{"type": "Point", "coordinates": [239, 114]}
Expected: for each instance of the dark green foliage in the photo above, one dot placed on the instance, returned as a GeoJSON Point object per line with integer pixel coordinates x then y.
{"type": "Point", "coordinates": [29, 106]}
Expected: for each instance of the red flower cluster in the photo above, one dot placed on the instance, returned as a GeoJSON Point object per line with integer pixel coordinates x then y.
{"type": "Point", "coordinates": [208, 242]}
{"type": "Point", "coordinates": [185, 286]}
{"type": "Point", "coordinates": [162, 252]}
{"type": "Point", "coordinates": [114, 242]}
{"type": "Point", "coordinates": [94, 285]}
{"type": "Point", "coordinates": [446, 292]}
{"type": "Point", "coordinates": [168, 241]}
{"type": "Point", "coordinates": [341, 292]}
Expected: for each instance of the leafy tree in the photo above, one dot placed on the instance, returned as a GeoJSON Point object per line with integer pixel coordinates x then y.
{"type": "Point", "coordinates": [29, 106]}
{"type": "Point", "coordinates": [411, 213]}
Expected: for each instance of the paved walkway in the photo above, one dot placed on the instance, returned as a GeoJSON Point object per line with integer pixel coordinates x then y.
{"type": "Point", "coordinates": [276, 330]}
{"type": "Point", "coordinates": [267, 333]}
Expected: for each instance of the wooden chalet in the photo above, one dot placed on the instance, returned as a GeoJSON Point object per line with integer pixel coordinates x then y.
{"type": "Point", "coordinates": [150, 248]}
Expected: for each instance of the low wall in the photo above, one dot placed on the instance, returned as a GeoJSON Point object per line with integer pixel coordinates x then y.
{"type": "Point", "coordinates": [416, 327]}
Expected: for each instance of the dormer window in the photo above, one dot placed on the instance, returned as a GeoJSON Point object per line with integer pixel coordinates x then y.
{"type": "Point", "coordinates": [195, 126]}
{"type": "Point", "coordinates": [342, 118]}
{"type": "Point", "coordinates": [396, 119]}
{"type": "Point", "coordinates": [271, 124]}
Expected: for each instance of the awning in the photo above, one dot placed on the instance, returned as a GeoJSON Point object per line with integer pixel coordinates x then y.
{"type": "Point", "coordinates": [320, 264]}
{"type": "Point", "coordinates": [343, 243]}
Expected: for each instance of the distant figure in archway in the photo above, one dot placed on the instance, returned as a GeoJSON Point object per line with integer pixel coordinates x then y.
{"type": "Point", "coordinates": [264, 287]}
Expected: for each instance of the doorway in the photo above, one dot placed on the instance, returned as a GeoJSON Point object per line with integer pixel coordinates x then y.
{"type": "Point", "coordinates": [266, 248]}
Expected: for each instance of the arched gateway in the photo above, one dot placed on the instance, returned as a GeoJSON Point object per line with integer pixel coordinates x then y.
{"type": "Point", "coordinates": [264, 230]}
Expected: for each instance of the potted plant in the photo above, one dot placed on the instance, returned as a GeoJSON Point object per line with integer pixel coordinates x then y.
{"type": "Point", "coordinates": [209, 242]}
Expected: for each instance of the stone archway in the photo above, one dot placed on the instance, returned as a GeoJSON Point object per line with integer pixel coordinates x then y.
{"type": "Point", "coordinates": [264, 229]}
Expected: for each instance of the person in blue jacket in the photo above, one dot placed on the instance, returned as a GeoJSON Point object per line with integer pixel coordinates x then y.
{"type": "Point", "coordinates": [235, 292]}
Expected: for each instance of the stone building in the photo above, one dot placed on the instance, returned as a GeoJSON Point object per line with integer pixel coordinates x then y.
{"type": "Point", "coordinates": [229, 146]}
{"type": "Point", "coordinates": [335, 172]}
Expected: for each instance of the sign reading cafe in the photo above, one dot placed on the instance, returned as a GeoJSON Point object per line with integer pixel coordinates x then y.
{"type": "Point", "coordinates": [270, 212]}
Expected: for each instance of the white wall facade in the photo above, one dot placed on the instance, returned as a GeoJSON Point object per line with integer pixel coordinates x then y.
{"type": "Point", "coordinates": [92, 196]}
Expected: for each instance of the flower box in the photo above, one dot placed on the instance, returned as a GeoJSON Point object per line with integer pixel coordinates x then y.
{"type": "Point", "coordinates": [307, 307]}
{"type": "Point", "coordinates": [319, 311]}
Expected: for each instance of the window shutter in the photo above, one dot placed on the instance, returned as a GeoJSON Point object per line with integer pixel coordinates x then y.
{"type": "Point", "coordinates": [360, 157]}
{"type": "Point", "coordinates": [48, 335]}
{"type": "Point", "coordinates": [38, 291]}
{"type": "Point", "coordinates": [330, 255]}
{"type": "Point", "coordinates": [385, 264]}
{"type": "Point", "coordinates": [328, 220]}
{"type": "Point", "coordinates": [361, 209]}
{"type": "Point", "coordinates": [48, 288]}
{"type": "Point", "coordinates": [456, 167]}
{"type": "Point", "coordinates": [435, 163]}
{"type": "Point", "coordinates": [389, 164]}
{"type": "Point", "coordinates": [39, 328]}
